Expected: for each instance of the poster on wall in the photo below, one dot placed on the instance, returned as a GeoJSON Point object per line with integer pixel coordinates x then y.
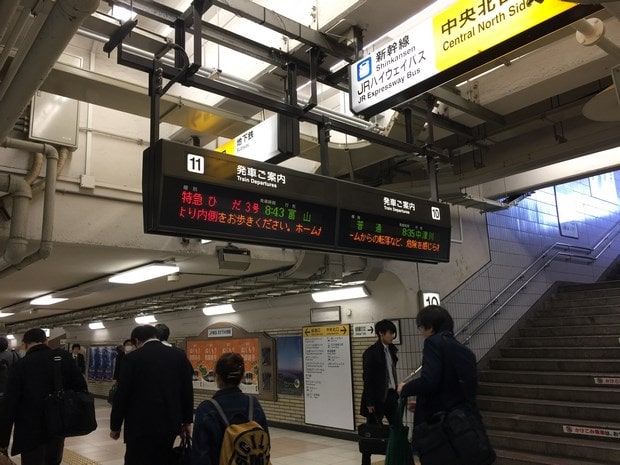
{"type": "Point", "coordinates": [203, 355]}
{"type": "Point", "coordinates": [328, 379]}
{"type": "Point", "coordinates": [101, 361]}
{"type": "Point", "coordinates": [290, 365]}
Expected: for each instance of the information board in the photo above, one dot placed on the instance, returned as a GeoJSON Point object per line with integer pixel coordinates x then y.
{"type": "Point", "coordinates": [328, 379]}
{"type": "Point", "coordinates": [193, 192]}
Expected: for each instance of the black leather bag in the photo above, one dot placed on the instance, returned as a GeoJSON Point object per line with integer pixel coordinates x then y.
{"type": "Point", "coordinates": [112, 393]}
{"type": "Point", "coordinates": [373, 438]}
{"type": "Point", "coordinates": [456, 437]}
{"type": "Point", "coordinates": [182, 454]}
{"type": "Point", "coordinates": [68, 413]}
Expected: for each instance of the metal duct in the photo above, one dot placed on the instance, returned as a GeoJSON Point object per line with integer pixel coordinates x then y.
{"type": "Point", "coordinates": [14, 258]}
{"type": "Point", "coordinates": [55, 34]}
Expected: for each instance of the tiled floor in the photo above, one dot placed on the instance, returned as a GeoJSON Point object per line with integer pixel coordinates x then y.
{"type": "Point", "coordinates": [287, 447]}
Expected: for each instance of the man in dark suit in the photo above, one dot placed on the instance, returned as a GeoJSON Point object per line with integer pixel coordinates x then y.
{"type": "Point", "coordinates": [30, 381]}
{"type": "Point", "coordinates": [155, 399]}
{"type": "Point", "coordinates": [78, 358]}
{"type": "Point", "coordinates": [379, 397]}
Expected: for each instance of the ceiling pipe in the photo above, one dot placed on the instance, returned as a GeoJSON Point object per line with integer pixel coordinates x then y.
{"type": "Point", "coordinates": [55, 34]}
{"type": "Point", "coordinates": [591, 31]}
{"type": "Point", "coordinates": [21, 193]}
{"type": "Point", "coordinates": [7, 10]}
{"type": "Point", "coordinates": [13, 258]}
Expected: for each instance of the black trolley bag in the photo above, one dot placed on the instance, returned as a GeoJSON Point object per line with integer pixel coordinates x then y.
{"type": "Point", "coordinates": [373, 438]}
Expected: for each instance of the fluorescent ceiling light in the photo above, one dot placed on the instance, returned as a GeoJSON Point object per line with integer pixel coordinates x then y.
{"type": "Point", "coordinates": [145, 319]}
{"type": "Point", "coordinates": [218, 310]}
{"type": "Point", "coordinates": [205, 241]}
{"type": "Point", "coordinates": [345, 293]}
{"type": "Point", "coordinates": [122, 13]}
{"type": "Point", "coordinates": [47, 300]}
{"type": "Point", "coordinates": [46, 331]}
{"type": "Point", "coordinates": [4, 315]}
{"type": "Point", "coordinates": [143, 273]}
{"type": "Point", "coordinates": [10, 337]}
{"type": "Point", "coordinates": [96, 325]}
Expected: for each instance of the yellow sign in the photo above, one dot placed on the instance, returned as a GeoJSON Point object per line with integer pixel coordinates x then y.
{"type": "Point", "coordinates": [469, 27]}
{"type": "Point", "coordinates": [323, 331]}
{"type": "Point", "coordinates": [228, 148]}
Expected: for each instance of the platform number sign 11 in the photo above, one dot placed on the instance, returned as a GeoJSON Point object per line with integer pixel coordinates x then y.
{"type": "Point", "coordinates": [429, 298]}
{"type": "Point", "coordinates": [195, 163]}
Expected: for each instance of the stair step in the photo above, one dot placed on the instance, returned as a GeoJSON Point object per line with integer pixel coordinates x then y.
{"type": "Point", "coordinates": [560, 447]}
{"type": "Point", "coordinates": [551, 408]}
{"type": "Point", "coordinates": [609, 283]}
{"type": "Point", "coordinates": [554, 364]}
{"type": "Point", "coordinates": [563, 378]}
{"type": "Point", "coordinates": [566, 341]}
{"type": "Point", "coordinates": [552, 426]}
{"type": "Point", "coordinates": [610, 288]}
{"type": "Point", "coordinates": [573, 330]}
{"type": "Point", "coordinates": [560, 311]}
{"type": "Point", "coordinates": [580, 301]}
{"type": "Point", "coordinates": [581, 320]}
{"type": "Point", "coordinates": [556, 393]}
{"type": "Point", "coordinates": [562, 352]}
{"type": "Point", "coordinates": [512, 457]}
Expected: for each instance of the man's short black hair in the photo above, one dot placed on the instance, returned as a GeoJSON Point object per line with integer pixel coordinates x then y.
{"type": "Point", "coordinates": [76, 346]}
{"type": "Point", "coordinates": [384, 326]}
{"type": "Point", "coordinates": [4, 343]}
{"type": "Point", "coordinates": [34, 335]}
{"type": "Point", "coordinates": [435, 317]}
{"type": "Point", "coordinates": [163, 332]}
{"type": "Point", "coordinates": [143, 333]}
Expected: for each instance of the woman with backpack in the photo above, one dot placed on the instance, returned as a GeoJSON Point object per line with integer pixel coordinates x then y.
{"type": "Point", "coordinates": [231, 427]}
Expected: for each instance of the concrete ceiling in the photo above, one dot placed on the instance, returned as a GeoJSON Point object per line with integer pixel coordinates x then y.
{"type": "Point", "coordinates": [527, 114]}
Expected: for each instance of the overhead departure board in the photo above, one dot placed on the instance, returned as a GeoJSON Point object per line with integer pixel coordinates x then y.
{"type": "Point", "coordinates": [192, 192]}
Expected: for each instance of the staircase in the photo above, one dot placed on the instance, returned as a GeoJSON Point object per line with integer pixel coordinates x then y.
{"type": "Point", "coordinates": [551, 392]}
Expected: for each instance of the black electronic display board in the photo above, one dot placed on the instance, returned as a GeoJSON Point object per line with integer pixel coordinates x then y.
{"type": "Point", "coordinates": [192, 192]}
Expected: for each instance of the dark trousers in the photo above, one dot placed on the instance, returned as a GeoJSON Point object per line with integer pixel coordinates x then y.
{"type": "Point", "coordinates": [149, 450]}
{"type": "Point", "coordinates": [389, 410]}
{"type": "Point", "coordinates": [49, 453]}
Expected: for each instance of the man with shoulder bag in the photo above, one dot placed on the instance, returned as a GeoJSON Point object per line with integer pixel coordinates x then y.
{"type": "Point", "coordinates": [30, 383]}
{"type": "Point", "coordinates": [448, 428]}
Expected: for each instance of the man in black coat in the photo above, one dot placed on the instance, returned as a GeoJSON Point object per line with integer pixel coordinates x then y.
{"type": "Point", "coordinates": [379, 397]}
{"type": "Point", "coordinates": [78, 358]}
{"type": "Point", "coordinates": [155, 399]}
{"type": "Point", "coordinates": [31, 379]}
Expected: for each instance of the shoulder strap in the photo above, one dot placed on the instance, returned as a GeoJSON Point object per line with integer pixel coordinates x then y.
{"type": "Point", "coordinates": [251, 407]}
{"type": "Point", "coordinates": [57, 373]}
{"type": "Point", "coordinates": [15, 356]}
{"type": "Point", "coordinates": [219, 409]}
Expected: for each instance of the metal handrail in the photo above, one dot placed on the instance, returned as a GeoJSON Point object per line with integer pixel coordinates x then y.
{"type": "Point", "coordinates": [608, 237]}
{"type": "Point", "coordinates": [588, 250]}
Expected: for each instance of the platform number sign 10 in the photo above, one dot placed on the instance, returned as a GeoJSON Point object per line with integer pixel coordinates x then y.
{"type": "Point", "coordinates": [195, 163]}
{"type": "Point", "coordinates": [429, 298]}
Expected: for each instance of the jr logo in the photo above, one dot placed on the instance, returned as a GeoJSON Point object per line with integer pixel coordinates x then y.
{"type": "Point", "coordinates": [364, 68]}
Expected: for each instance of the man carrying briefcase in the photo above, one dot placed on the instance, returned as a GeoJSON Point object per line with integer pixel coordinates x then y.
{"type": "Point", "coordinates": [379, 397]}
